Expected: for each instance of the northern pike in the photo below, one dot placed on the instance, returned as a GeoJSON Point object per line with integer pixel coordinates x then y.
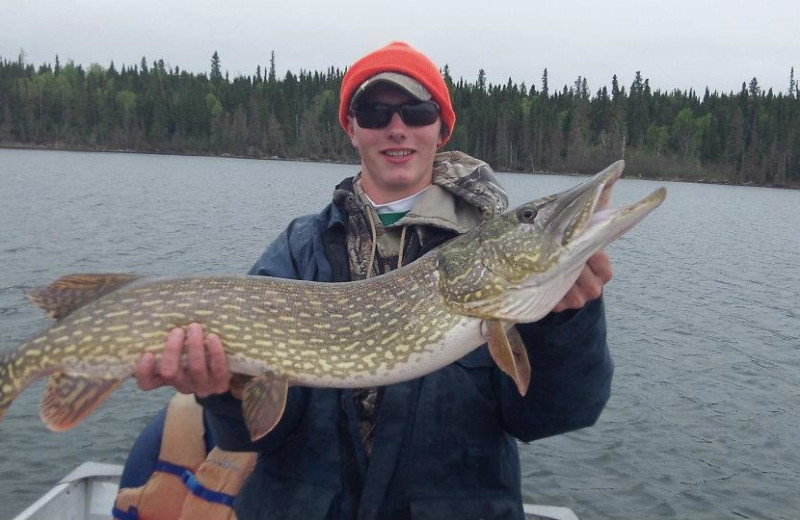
{"type": "Point", "coordinates": [512, 269]}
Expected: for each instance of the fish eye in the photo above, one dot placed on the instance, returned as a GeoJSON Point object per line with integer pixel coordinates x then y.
{"type": "Point", "coordinates": [527, 214]}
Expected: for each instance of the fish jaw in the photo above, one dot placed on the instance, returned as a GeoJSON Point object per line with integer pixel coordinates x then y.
{"type": "Point", "coordinates": [517, 267]}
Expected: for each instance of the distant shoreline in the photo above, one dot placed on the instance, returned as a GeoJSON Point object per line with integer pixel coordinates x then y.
{"type": "Point", "coordinates": [14, 146]}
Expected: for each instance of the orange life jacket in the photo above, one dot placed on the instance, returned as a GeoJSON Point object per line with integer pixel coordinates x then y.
{"type": "Point", "coordinates": [187, 483]}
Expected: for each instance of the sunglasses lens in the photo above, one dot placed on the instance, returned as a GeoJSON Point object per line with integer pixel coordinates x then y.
{"type": "Point", "coordinates": [378, 115]}
{"type": "Point", "coordinates": [373, 116]}
{"type": "Point", "coordinates": [420, 114]}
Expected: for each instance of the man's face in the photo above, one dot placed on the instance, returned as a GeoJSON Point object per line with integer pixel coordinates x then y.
{"type": "Point", "coordinates": [396, 161]}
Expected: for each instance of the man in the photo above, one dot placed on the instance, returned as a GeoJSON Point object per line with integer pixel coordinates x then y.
{"type": "Point", "coordinates": [442, 446]}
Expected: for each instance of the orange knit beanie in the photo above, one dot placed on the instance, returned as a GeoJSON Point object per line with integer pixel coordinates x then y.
{"type": "Point", "coordinates": [397, 57]}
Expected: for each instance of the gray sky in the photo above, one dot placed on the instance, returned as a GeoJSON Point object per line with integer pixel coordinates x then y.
{"type": "Point", "coordinates": [675, 43]}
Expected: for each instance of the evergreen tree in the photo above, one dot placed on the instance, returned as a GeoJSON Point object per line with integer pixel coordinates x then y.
{"type": "Point", "coordinates": [545, 86]}
{"type": "Point", "coordinates": [272, 77]}
{"type": "Point", "coordinates": [481, 85]}
{"type": "Point", "coordinates": [216, 73]}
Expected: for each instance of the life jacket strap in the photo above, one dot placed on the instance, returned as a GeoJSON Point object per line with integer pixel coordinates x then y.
{"type": "Point", "coordinates": [200, 491]}
{"type": "Point", "coordinates": [173, 469]}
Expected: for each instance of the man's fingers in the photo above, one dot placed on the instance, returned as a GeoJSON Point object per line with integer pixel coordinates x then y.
{"type": "Point", "coordinates": [204, 372]}
{"type": "Point", "coordinates": [146, 375]}
{"type": "Point", "coordinates": [589, 285]}
{"type": "Point", "coordinates": [217, 364]}
{"type": "Point", "coordinates": [572, 300]}
{"type": "Point", "coordinates": [170, 367]}
{"type": "Point", "coordinates": [196, 354]}
{"type": "Point", "coordinates": [600, 264]}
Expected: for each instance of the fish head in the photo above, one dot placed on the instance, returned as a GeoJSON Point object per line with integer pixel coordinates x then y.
{"type": "Point", "coordinates": [518, 266]}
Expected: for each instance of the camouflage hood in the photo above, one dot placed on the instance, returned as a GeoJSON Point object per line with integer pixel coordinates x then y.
{"type": "Point", "coordinates": [464, 193]}
{"type": "Point", "coordinates": [470, 180]}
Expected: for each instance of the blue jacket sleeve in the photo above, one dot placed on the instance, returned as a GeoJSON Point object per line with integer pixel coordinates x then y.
{"type": "Point", "coordinates": [571, 370]}
{"type": "Point", "coordinates": [291, 255]}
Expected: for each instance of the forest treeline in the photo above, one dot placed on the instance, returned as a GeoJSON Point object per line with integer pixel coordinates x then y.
{"type": "Point", "coordinates": [746, 137]}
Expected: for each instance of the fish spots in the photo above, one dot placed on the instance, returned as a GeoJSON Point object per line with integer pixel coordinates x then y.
{"type": "Point", "coordinates": [372, 327]}
{"type": "Point", "coordinates": [170, 316]}
{"type": "Point", "coordinates": [117, 328]}
{"type": "Point", "coordinates": [390, 338]}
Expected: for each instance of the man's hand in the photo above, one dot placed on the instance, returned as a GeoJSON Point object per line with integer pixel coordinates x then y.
{"type": "Point", "coordinates": [205, 373]}
{"type": "Point", "coordinates": [589, 286]}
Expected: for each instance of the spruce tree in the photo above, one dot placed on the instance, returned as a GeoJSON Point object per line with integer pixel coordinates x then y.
{"type": "Point", "coordinates": [216, 73]}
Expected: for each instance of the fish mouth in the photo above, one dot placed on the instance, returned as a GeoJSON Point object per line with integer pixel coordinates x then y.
{"type": "Point", "coordinates": [577, 217]}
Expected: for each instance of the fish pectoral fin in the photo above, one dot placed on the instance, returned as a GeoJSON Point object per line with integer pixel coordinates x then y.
{"type": "Point", "coordinates": [510, 354]}
{"type": "Point", "coordinates": [70, 398]}
{"type": "Point", "coordinates": [69, 293]}
{"type": "Point", "coordinates": [263, 403]}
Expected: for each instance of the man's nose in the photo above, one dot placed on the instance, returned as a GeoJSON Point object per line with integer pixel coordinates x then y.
{"type": "Point", "coordinates": [396, 123]}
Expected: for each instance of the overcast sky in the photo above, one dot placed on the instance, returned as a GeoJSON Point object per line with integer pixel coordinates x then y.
{"type": "Point", "coordinates": [675, 43]}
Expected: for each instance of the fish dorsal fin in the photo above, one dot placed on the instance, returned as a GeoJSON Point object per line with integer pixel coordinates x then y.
{"type": "Point", "coordinates": [510, 354]}
{"type": "Point", "coordinates": [263, 403]}
{"type": "Point", "coordinates": [69, 293]}
{"type": "Point", "coordinates": [69, 399]}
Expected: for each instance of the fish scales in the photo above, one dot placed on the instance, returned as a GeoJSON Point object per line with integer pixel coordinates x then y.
{"type": "Point", "coordinates": [353, 317]}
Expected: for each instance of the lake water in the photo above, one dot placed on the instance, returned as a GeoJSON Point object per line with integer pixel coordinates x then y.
{"type": "Point", "coordinates": [704, 419]}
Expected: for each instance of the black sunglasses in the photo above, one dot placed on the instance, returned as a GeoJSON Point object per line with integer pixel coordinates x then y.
{"type": "Point", "coordinates": [379, 115]}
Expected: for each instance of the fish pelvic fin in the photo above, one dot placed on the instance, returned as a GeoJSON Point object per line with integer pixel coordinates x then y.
{"type": "Point", "coordinates": [263, 403]}
{"type": "Point", "coordinates": [70, 398]}
{"type": "Point", "coordinates": [510, 354]}
{"type": "Point", "coordinates": [71, 292]}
